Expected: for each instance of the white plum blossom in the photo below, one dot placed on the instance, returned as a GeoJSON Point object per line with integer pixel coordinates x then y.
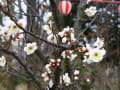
{"type": "Point", "coordinates": [11, 30]}
{"type": "Point", "coordinates": [49, 14]}
{"type": "Point", "coordinates": [61, 34]}
{"type": "Point", "coordinates": [87, 60]}
{"type": "Point", "coordinates": [99, 43]}
{"type": "Point", "coordinates": [53, 63]}
{"type": "Point", "coordinates": [66, 79]}
{"type": "Point", "coordinates": [87, 80]}
{"type": "Point", "coordinates": [48, 29]}
{"type": "Point", "coordinates": [91, 11]}
{"type": "Point", "coordinates": [73, 56]}
{"type": "Point", "coordinates": [52, 38]}
{"type": "Point", "coordinates": [2, 61]}
{"type": "Point", "coordinates": [47, 66]}
{"type": "Point", "coordinates": [30, 48]}
{"type": "Point", "coordinates": [76, 73]}
{"type": "Point", "coordinates": [76, 78]}
{"type": "Point", "coordinates": [67, 35]}
{"type": "Point", "coordinates": [96, 55]}
{"type": "Point", "coordinates": [69, 54]}
{"type": "Point", "coordinates": [45, 76]}
{"type": "Point", "coordinates": [22, 23]}
{"type": "Point", "coordinates": [64, 40]}
{"type": "Point", "coordinates": [5, 35]}
{"type": "Point", "coordinates": [83, 48]}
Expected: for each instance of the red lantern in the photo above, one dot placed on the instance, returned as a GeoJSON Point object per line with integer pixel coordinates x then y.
{"type": "Point", "coordinates": [119, 9]}
{"type": "Point", "coordinates": [65, 7]}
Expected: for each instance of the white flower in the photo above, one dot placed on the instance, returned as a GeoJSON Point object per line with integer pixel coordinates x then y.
{"type": "Point", "coordinates": [69, 54]}
{"type": "Point", "coordinates": [72, 36]}
{"type": "Point", "coordinates": [76, 72]}
{"type": "Point", "coordinates": [59, 60]}
{"type": "Point", "coordinates": [99, 43]}
{"type": "Point", "coordinates": [20, 34]}
{"type": "Point", "coordinates": [52, 38]}
{"type": "Point", "coordinates": [49, 14]}
{"type": "Point", "coordinates": [66, 79]}
{"type": "Point", "coordinates": [45, 76]}
{"type": "Point", "coordinates": [47, 66]}
{"type": "Point", "coordinates": [52, 60]}
{"type": "Point", "coordinates": [76, 77]}
{"type": "Point", "coordinates": [22, 23]}
{"type": "Point", "coordinates": [91, 11]}
{"type": "Point", "coordinates": [30, 48]}
{"type": "Point", "coordinates": [87, 80]}
{"type": "Point", "coordinates": [6, 35]}
{"type": "Point", "coordinates": [83, 48]}
{"type": "Point", "coordinates": [12, 27]}
{"type": "Point", "coordinates": [47, 28]}
{"type": "Point", "coordinates": [96, 55]}
{"type": "Point", "coordinates": [44, 4]}
{"type": "Point", "coordinates": [73, 56]}
{"type": "Point", "coordinates": [2, 61]}
{"type": "Point", "coordinates": [87, 60]}
{"type": "Point", "coordinates": [66, 53]}
{"type": "Point", "coordinates": [61, 34]}
{"type": "Point", "coordinates": [88, 47]}
{"type": "Point", "coordinates": [64, 40]}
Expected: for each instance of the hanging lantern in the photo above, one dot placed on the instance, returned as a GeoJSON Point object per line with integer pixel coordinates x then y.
{"type": "Point", "coordinates": [65, 7]}
{"type": "Point", "coordinates": [119, 9]}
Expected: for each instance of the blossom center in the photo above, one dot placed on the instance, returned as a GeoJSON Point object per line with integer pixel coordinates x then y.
{"type": "Point", "coordinates": [96, 54]}
{"type": "Point", "coordinates": [30, 48]}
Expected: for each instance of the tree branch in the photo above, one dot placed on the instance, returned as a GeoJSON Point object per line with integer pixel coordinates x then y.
{"type": "Point", "coordinates": [35, 79]}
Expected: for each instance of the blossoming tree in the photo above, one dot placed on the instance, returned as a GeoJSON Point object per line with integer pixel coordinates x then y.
{"type": "Point", "coordinates": [49, 50]}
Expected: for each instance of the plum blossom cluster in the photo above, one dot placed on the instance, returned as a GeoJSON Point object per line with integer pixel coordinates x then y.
{"type": "Point", "coordinates": [2, 61]}
{"type": "Point", "coordinates": [67, 35]}
{"type": "Point", "coordinates": [30, 48]}
{"type": "Point", "coordinates": [49, 67]}
{"type": "Point", "coordinates": [11, 31]}
{"type": "Point", "coordinates": [49, 29]}
{"type": "Point", "coordinates": [91, 54]}
{"type": "Point", "coordinates": [96, 52]}
{"type": "Point", "coordinates": [76, 74]}
{"type": "Point", "coordinates": [91, 11]}
{"type": "Point", "coordinates": [66, 78]}
{"type": "Point", "coordinates": [69, 54]}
